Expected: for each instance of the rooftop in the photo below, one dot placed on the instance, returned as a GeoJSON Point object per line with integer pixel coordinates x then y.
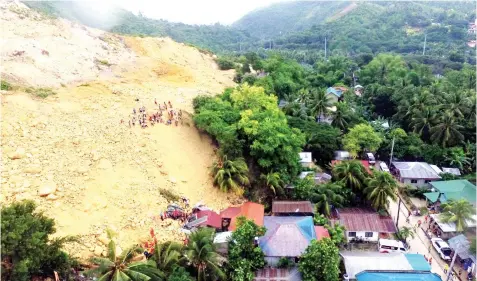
{"type": "Point", "coordinates": [249, 210]}
{"type": "Point", "coordinates": [455, 190]}
{"type": "Point", "coordinates": [357, 219]}
{"type": "Point", "coordinates": [416, 170]}
{"type": "Point", "coordinates": [397, 276]}
{"type": "Point", "coordinates": [334, 91]}
{"type": "Point", "coordinates": [321, 232]}
{"type": "Point", "coordinates": [292, 207]}
{"type": "Point", "coordinates": [287, 236]}
{"type": "Point", "coordinates": [453, 171]}
{"type": "Point", "coordinates": [277, 274]}
{"type": "Point", "coordinates": [357, 262]}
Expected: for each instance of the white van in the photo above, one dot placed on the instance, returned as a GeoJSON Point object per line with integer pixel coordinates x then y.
{"type": "Point", "coordinates": [384, 167]}
{"type": "Point", "coordinates": [391, 246]}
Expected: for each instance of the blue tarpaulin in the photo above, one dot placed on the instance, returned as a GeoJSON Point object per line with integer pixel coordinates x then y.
{"type": "Point", "coordinates": [397, 276]}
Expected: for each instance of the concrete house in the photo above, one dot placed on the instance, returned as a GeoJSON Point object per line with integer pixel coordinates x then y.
{"type": "Point", "coordinates": [364, 224]}
{"type": "Point", "coordinates": [306, 159]}
{"type": "Point", "coordinates": [417, 174]}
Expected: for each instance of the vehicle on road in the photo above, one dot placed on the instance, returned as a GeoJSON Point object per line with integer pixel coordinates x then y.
{"type": "Point", "coordinates": [442, 248]}
{"type": "Point", "coordinates": [391, 246]}
{"type": "Point", "coordinates": [384, 167]}
{"type": "Point", "coordinates": [371, 159]}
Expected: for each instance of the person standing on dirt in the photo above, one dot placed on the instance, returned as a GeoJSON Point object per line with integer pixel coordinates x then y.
{"type": "Point", "coordinates": [165, 105]}
{"type": "Point", "coordinates": [134, 111]}
{"type": "Point", "coordinates": [155, 101]}
{"type": "Point", "coordinates": [170, 104]}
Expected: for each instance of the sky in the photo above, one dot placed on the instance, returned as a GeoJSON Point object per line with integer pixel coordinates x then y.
{"type": "Point", "coordinates": [194, 11]}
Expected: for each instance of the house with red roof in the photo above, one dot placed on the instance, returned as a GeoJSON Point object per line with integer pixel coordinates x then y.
{"type": "Point", "coordinates": [364, 224]}
{"type": "Point", "coordinates": [365, 163]}
{"type": "Point", "coordinates": [206, 218]}
{"type": "Point", "coordinates": [250, 210]}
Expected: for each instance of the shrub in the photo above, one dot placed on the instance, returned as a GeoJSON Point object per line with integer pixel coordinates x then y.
{"type": "Point", "coordinates": [169, 195]}
{"type": "Point", "coordinates": [43, 92]}
{"type": "Point", "coordinates": [5, 86]}
{"type": "Point", "coordinates": [104, 62]}
{"type": "Point", "coordinates": [285, 263]}
{"type": "Point", "coordinates": [319, 219]}
{"type": "Point", "coordinates": [225, 63]}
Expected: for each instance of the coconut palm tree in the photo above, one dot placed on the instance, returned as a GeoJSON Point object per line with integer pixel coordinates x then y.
{"type": "Point", "coordinates": [120, 266]}
{"type": "Point", "coordinates": [447, 130]}
{"type": "Point", "coordinates": [230, 174]}
{"type": "Point", "coordinates": [340, 116]}
{"type": "Point", "coordinates": [351, 173]}
{"type": "Point", "coordinates": [202, 256]}
{"type": "Point", "coordinates": [457, 103]}
{"type": "Point", "coordinates": [457, 158]}
{"type": "Point", "coordinates": [405, 232]}
{"type": "Point", "coordinates": [274, 182]}
{"type": "Point", "coordinates": [326, 195]}
{"type": "Point", "coordinates": [459, 212]}
{"type": "Point", "coordinates": [423, 120]}
{"type": "Point", "coordinates": [381, 187]}
{"type": "Point", "coordinates": [168, 256]}
{"type": "Point", "coordinates": [320, 102]}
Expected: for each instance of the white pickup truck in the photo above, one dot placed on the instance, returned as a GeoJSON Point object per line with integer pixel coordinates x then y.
{"type": "Point", "coordinates": [442, 248]}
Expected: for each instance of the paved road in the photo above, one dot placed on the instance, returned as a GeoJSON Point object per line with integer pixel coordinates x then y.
{"type": "Point", "coordinates": [419, 244]}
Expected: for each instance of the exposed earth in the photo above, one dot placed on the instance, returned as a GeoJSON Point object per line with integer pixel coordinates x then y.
{"type": "Point", "coordinates": [94, 173]}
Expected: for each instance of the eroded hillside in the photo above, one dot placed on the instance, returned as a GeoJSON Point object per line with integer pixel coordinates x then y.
{"type": "Point", "coordinates": [102, 173]}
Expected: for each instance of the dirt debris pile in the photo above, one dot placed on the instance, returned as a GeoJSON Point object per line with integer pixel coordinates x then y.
{"type": "Point", "coordinates": [69, 152]}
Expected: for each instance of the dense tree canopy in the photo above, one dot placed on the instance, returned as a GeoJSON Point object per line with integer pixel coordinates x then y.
{"type": "Point", "coordinates": [320, 261]}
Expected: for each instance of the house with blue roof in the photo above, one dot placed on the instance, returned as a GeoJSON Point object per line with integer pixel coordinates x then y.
{"type": "Point", "coordinates": [286, 237]}
{"type": "Point", "coordinates": [334, 93]}
{"type": "Point", "coordinates": [375, 266]}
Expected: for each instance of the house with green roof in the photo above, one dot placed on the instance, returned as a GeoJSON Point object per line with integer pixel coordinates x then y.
{"type": "Point", "coordinates": [452, 190]}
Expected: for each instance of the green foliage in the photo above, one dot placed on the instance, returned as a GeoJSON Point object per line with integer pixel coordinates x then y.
{"type": "Point", "coordinates": [405, 233]}
{"type": "Point", "coordinates": [380, 187]}
{"type": "Point", "coordinates": [180, 274]}
{"type": "Point", "coordinates": [320, 219]}
{"type": "Point", "coordinates": [41, 92]}
{"type": "Point", "coordinates": [202, 256]}
{"type": "Point", "coordinates": [169, 195]}
{"type": "Point", "coordinates": [473, 245]}
{"type": "Point", "coordinates": [4, 85]}
{"type": "Point", "coordinates": [320, 261]}
{"type": "Point", "coordinates": [361, 137]}
{"type": "Point", "coordinates": [274, 182]}
{"type": "Point", "coordinates": [104, 62]}
{"type": "Point", "coordinates": [225, 63]}
{"type": "Point", "coordinates": [168, 257]}
{"type": "Point", "coordinates": [244, 257]}
{"type": "Point", "coordinates": [459, 212]}
{"type": "Point", "coordinates": [326, 195]}
{"type": "Point", "coordinates": [351, 173]}
{"type": "Point", "coordinates": [337, 233]}
{"type": "Point", "coordinates": [284, 262]}
{"type": "Point", "coordinates": [230, 174]}
{"type": "Point", "coordinates": [302, 188]}
{"type": "Point", "coordinates": [27, 248]}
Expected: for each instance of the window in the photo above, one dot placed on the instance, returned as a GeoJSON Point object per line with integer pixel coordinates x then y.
{"type": "Point", "coordinates": [368, 234]}
{"type": "Point", "coordinates": [427, 181]}
{"type": "Point", "coordinates": [413, 181]}
{"type": "Point", "coordinates": [352, 234]}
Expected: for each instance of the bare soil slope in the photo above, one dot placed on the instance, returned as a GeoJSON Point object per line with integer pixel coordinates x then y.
{"type": "Point", "coordinates": [106, 175]}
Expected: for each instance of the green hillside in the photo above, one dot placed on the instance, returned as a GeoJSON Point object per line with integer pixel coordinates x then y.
{"type": "Point", "coordinates": [288, 17]}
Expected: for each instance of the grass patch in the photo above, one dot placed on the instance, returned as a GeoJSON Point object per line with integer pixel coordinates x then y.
{"type": "Point", "coordinates": [5, 86]}
{"type": "Point", "coordinates": [41, 92]}
{"type": "Point", "coordinates": [169, 195]}
{"type": "Point", "coordinates": [104, 62]}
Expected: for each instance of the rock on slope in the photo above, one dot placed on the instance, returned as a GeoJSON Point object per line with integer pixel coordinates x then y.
{"type": "Point", "coordinates": [70, 153]}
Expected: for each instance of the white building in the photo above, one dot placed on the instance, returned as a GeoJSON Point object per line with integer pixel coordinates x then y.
{"type": "Point", "coordinates": [417, 174]}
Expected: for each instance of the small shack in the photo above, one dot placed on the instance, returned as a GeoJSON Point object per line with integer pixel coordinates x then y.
{"type": "Point", "coordinates": [292, 208]}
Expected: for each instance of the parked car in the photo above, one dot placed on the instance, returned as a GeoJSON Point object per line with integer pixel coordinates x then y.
{"type": "Point", "coordinates": [391, 246]}
{"type": "Point", "coordinates": [442, 248]}
{"type": "Point", "coordinates": [371, 158]}
{"type": "Point", "coordinates": [384, 167]}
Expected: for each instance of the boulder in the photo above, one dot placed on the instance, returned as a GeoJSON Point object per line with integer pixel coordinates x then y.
{"type": "Point", "coordinates": [47, 189]}
{"type": "Point", "coordinates": [51, 197]}
{"type": "Point", "coordinates": [103, 239]}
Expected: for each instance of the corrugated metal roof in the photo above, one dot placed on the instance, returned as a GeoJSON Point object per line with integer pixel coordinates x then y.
{"type": "Point", "coordinates": [212, 218]}
{"type": "Point", "coordinates": [456, 189]}
{"type": "Point", "coordinates": [436, 169]}
{"type": "Point", "coordinates": [250, 210]}
{"type": "Point", "coordinates": [334, 91]}
{"type": "Point", "coordinates": [277, 274]}
{"type": "Point", "coordinates": [287, 236]}
{"type": "Point", "coordinates": [357, 219]}
{"type": "Point", "coordinates": [453, 171]}
{"type": "Point", "coordinates": [357, 262]}
{"type": "Point", "coordinates": [292, 207]}
{"type": "Point", "coordinates": [416, 170]}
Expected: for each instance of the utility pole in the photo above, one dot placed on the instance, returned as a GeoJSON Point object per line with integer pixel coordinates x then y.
{"type": "Point", "coordinates": [391, 158]}
{"type": "Point", "coordinates": [424, 49]}
{"type": "Point", "coordinates": [458, 247]}
{"type": "Point", "coordinates": [325, 48]}
{"type": "Point", "coordinates": [399, 211]}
